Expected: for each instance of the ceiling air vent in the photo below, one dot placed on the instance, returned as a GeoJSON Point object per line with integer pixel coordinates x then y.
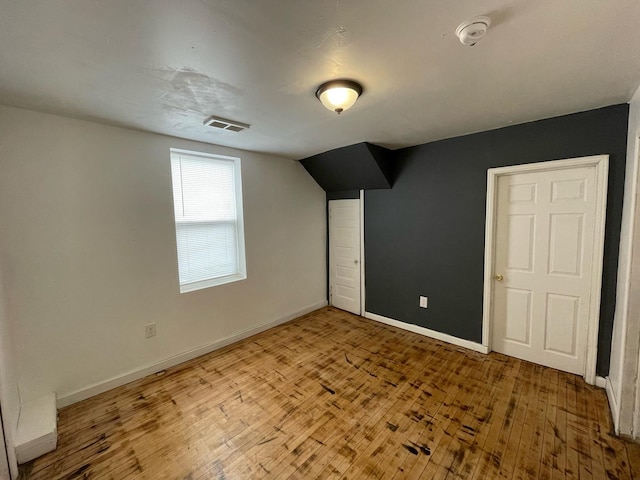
{"type": "Point", "coordinates": [225, 124]}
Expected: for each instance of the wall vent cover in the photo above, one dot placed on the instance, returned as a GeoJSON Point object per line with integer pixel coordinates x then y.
{"type": "Point", "coordinates": [225, 124]}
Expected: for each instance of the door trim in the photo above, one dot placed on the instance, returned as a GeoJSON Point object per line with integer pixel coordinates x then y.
{"type": "Point", "coordinates": [362, 287]}
{"type": "Point", "coordinates": [4, 453]}
{"type": "Point", "coordinates": [601, 164]}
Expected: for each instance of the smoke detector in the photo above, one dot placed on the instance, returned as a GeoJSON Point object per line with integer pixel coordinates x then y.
{"type": "Point", "coordinates": [225, 124]}
{"type": "Point", "coordinates": [472, 31]}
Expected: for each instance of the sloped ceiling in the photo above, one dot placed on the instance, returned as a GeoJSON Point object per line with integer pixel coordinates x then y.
{"type": "Point", "coordinates": [164, 66]}
{"type": "Point", "coordinates": [356, 167]}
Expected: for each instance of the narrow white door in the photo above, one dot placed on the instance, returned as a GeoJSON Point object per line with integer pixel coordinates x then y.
{"type": "Point", "coordinates": [544, 244]}
{"type": "Point", "coordinates": [344, 255]}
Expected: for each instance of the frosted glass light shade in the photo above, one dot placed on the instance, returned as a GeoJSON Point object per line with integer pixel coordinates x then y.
{"type": "Point", "coordinates": [339, 95]}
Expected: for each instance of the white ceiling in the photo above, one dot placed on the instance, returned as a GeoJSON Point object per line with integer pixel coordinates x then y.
{"type": "Point", "coordinates": [165, 65]}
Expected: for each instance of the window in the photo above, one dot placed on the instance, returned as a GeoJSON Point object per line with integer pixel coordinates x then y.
{"type": "Point", "coordinates": [207, 200]}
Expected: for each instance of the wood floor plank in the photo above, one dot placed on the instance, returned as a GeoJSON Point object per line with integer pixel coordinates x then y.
{"type": "Point", "coordinates": [333, 395]}
{"type": "Point", "coordinates": [405, 391]}
{"type": "Point", "coordinates": [509, 450]}
{"type": "Point", "coordinates": [573, 469]}
{"type": "Point", "coordinates": [418, 446]}
{"type": "Point", "coordinates": [616, 461]}
{"type": "Point", "coordinates": [426, 455]}
{"type": "Point", "coordinates": [498, 421]}
{"type": "Point", "coordinates": [404, 428]}
{"type": "Point", "coordinates": [528, 436]}
{"type": "Point", "coordinates": [548, 453]}
{"type": "Point", "coordinates": [633, 453]}
{"type": "Point", "coordinates": [441, 454]}
{"type": "Point", "coordinates": [470, 437]}
{"type": "Point", "coordinates": [354, 441]}
{"type": "Point", "coordinates": [560, 448]}
{"type": "Point", "coordinates": [593, 430]}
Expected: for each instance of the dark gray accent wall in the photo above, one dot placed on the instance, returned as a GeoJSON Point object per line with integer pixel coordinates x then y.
{"type": "Point", "coordinates": [426, 235]}
{"type": "Point", "coordinates": [356, 167]}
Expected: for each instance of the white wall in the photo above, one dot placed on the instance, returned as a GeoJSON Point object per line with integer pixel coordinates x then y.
{"type": "Point", "coordinates": [89, 256]}
{"type": "Point", "coordinates": [9, 396]}
{"type": "Point", "coordinates": [626, 325]}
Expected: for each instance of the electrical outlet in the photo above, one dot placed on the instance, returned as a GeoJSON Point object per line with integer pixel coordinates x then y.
{"type": "Point", "coordinates": [150, 330]}
{"type": "Point", "coordinates": [423, 302]}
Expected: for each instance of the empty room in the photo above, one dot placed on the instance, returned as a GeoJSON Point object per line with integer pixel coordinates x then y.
{"type": "Point", "coordinates": [343, 239]}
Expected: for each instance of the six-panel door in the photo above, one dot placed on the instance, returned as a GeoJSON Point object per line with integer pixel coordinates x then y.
{"type": "Point", "coordinates": [344, 255]}
{"type": "Point", "coordinates": [544, 244]}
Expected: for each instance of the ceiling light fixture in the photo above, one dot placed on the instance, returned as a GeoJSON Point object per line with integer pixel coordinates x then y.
{"type": "Point", "coordinates": [339, 95]}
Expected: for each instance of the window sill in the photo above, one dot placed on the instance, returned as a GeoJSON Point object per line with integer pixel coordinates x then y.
{"type": "Point", "coordinates": [211, 282]}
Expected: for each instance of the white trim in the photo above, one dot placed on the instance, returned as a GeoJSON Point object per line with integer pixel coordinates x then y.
{"type": "Point", "coordinates": [202, 154]}
{"type": "Point", "coordinates": [428, 333]}
{"type": "Point", "coordinates": [211, 282]}
{"type": "Point", "coordinates": [489, 235]}
{"type": "Point", "coordinates": [635, 421]}
{"type": "Point", "coordinates": [4, 456]}
{"type": "Point", "coordinates": [613, 405]}
{"type": "Point", "coordinates": [601, 164]}
{"type": "Point", "coordinates": [68, 398]}
{"type": "Point", "coordinates": [362, 286]}
{"type": "Point", "coordinates": [601, 382]}
{"type": "Point", "coordinates": [625, 279]}
{"type": "Point", "coordinates": [37, 431]}
{"type": "Point", "coordinates": [602, 175]}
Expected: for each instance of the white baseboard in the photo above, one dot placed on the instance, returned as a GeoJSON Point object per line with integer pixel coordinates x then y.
{"type": "Point", "coordinates": [37, 431]}
{"type": "Point", "coordinates": [613, 405]}
{"type": "Point", "coordinates": [69, 398]}
{"type": "Point", "coordinates": [601, 382]}
{"type": "Point", "coordinates": [429, 333]}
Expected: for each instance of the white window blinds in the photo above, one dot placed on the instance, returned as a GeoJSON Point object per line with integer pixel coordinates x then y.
{"type": "Point", "coordinates": [207, 199]}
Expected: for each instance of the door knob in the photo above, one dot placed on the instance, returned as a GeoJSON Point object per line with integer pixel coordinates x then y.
{"type": "Point", "coordinates": [355, 261]}
{"type": "Point", "coordinates": [499, 277]}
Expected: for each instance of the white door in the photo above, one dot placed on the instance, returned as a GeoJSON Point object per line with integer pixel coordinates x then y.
{"type": "Point", "coordinates": [344, 255]}
{"type": "Point", "coordinates": [544, 261]}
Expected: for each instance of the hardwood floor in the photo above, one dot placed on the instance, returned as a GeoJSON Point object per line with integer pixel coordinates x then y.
{"type": "Point", "coordinates": [332, 395]}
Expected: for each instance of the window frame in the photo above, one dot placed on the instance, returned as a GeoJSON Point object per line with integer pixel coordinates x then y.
{"type": "Point", "coordinates": [239, 223]}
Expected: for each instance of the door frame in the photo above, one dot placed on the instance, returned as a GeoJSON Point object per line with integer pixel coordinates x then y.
{"type": "Point", "coordinates": [5, 470]}
{"type": "Point", "coordinates": [601, 164]}
{"type": "Point", "coordinates": [362, 288]}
